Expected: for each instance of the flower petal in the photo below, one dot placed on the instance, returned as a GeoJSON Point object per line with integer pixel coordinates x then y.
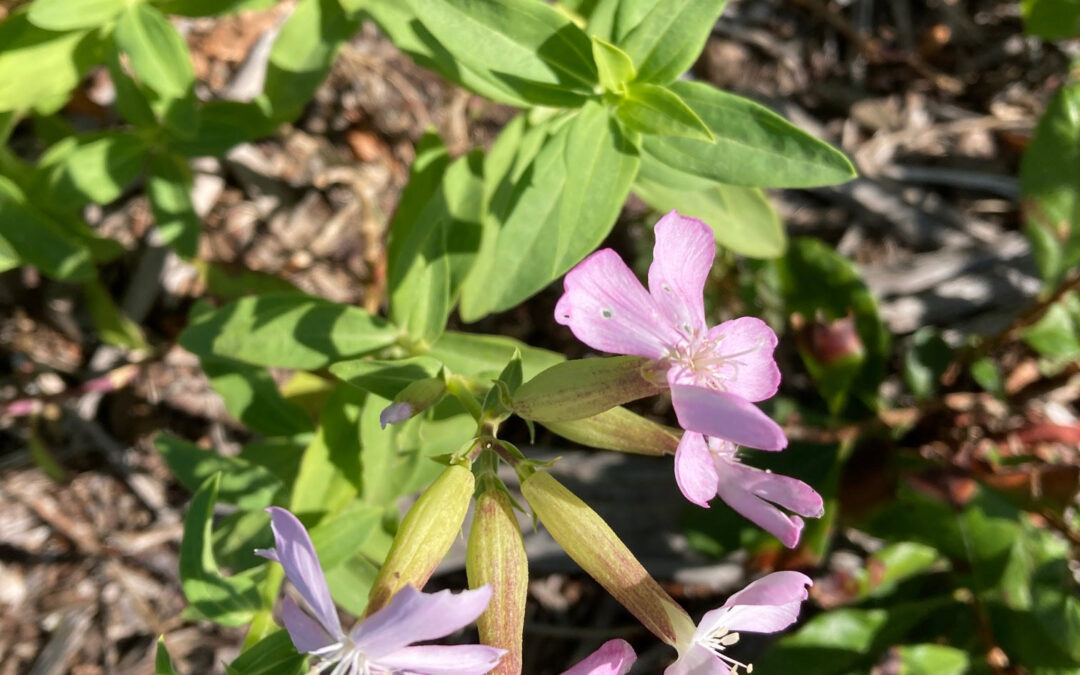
{"type": "Point", "coordinates": [442, 659]}
{"type": "Point", "coordinates": [294, 550]}
{"type": "Point", "coordinates": [695, 470]}
{"type": "Point", "coordinates": [615, 657]}
{"type": "Point", "coordinates": [725, 416]}
{"type": "Point", "coordinates": [607, 308]}
{"type": "Point", "coordinates": [305, 632]}
{"type": "Point", "coordinates": [698, 661]}
{"type": "Point", "coordinates": [682, 257]}
{"type": "Point", "coordinates": [395, 413]}
{"type": "Point", "coordinates": [738, 495]}
{"type": "Point", "coordinates": [790, 493]}
{"type": "Point", "coordinates": [777, 588]}
{"type": "Point", "coordinates": [748, 345]}
{"type": "Point", "coordinates": [413, 616]}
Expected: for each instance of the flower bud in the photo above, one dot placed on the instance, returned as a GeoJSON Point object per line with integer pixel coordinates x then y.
{"type": "Point", "coordinates": [417, 397]}
{"type": "Point", "coordinates": [830, 342]}
{"type": "Point", "coordinates": [424, 536]}
{"type": "Point", "coordinates": [572, 390]}
{"type": "Point", "coordinates": [620, 430]}
{"type": "Point", "coordinates": [593, 545]}
{"type": "Point", "coordinates": [496, 557]}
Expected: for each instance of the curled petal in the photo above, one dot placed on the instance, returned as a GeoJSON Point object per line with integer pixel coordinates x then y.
{"type": "Point", "coordinates": [725, 416]}
{"type": "Point", "coordinates": [772, 589]}
{"type": "Point", "coordinates": [695, 470]}
{"type": "Point", "coordinates": [747, 343]}
{"type": "Point", "coordinates": [413, 616]}
{"type": "Point", "coordinates": [735, 493]}
{"type": "Point", "coordinates": [294, 550]}
{"type": "Point", "coordinates": [682, 257]}
{"type": "Point", "coordinates": [306, 633]}
{"type": "Point", "coordinates": [615, 657]}
{"type": "Point", "coordinates": [442, 659]}
{"type": "Point", "coordinates": [790, 493]}
{"type": "Point", "coordinates": [607, 308]}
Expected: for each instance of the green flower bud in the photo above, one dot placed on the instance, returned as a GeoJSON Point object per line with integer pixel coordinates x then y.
{"type": "Point", "coordinates": [620, 430]}
{"type": "Point", "coordinates": [425, 535]}
{"type": "Point", "coordinates": [417, 397]}
{"type": "Point", "coordinates": [593, 545]}
{"type": "Point", "coordinates": [585, 387]}
{"type": "Point", "coordinates": [496, 557]}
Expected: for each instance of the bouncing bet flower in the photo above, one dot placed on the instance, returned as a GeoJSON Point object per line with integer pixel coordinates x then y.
{"type": "Point", "coordinates": [379, 644]}
{"type": "Point", "coordinates": [715, 374]}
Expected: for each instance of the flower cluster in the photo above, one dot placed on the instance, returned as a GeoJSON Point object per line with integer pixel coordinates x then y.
{"type": "Point", "coordinates": [715, 374]}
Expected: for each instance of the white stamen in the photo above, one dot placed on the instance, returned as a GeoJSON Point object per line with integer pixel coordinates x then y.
{"type": "Point", "coordinates": [717, 642]}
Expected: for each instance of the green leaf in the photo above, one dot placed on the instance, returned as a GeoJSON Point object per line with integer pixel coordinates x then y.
{"type": "Point", "coordinates": [614, 67]}
{"type": "Point", "coordinates": [233, 281]}
{"type": "Point", "coordinates": [742, 218]}
{"type": "Point", "coordinates": [279, 456]}
{"type": "Point", "coordinates": [1056, 335]}
{"type": "Point", "coordinates": [229, 601]}
{"type": "Point", "coordinates": [433, 239]}
{"type": "Point", "coordinates": [655, 109]}
{"type": "Point", "coordinates": [32, 238]}
{"type": "Point", "coordinates": [754, 146]}
{"type": "Point", "coordinates": [272, 655]}
{"type": "Point", "coordinates": [837, 291]}
{"type": "Point", "coordinates": [41, 66]}
{"type": "Point", "coordinates": [201, 8]}
{"type": "Point", "coordinates": [550, 214]}
{"type": "Point", "coordinates": [65, 15]}
{"type": "Point", "coordinates": [477, 355]}
{"type": "Point", "coordinates": [252, 397]}
{"type": "Point", "coordinates": [533, 49]}
{"type": "Point", "coordinates": [288, 331]}
{"type": "Point", "coordinates": [1051, 19]}
{"type": "Point", "coordinates": [988, 376]}
{"type": "Point", "coordinates": [931, 659]}
{"type": "Point", "coordinates": [1050, 185]}
{"type": "Point", "coordinates": [331, 472]}
{"type": "Point", "coordinates": [303, 53]}
{"type": "Point", "coordinates": [95, 168]}
{"type": "Point", "coordinates": [343, 535]}
{"type": "Point", "coordinates": [160, 60]}
{"type": "Point", "coordinates": [132, 101]}
{"type": "Point", "coordinates": [386, 378]}
{"type": "Point", "coordinates": [925, 362]}
{"type": "Point", "coordinates": [401, 24]}
{"type": "Point", "coordinates": [169, 190]}
{"type": "Point", "coordinates": [242, 483]}
{"type": "Point", "coordinates": [162, 663]}
{"type": "Point", "coordinates": [222, 125]}
{"type": "Point", "coordinates": [893, 564]}
{"type": "Point", "coordinates": [112, 325]}
{"type": "Point", "coordinates": [666, 41]}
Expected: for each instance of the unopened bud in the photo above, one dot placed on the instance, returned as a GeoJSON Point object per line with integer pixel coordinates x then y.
{"type": "Point", "coordinates": [593, 545]}
{"type": "Point", "coordinates": [585, 387]}
{"type": "Point", "coordinates": [620, 430]}
{"type": "Point", "coordinates": [413, 400]}
{"type": "Point", "coordinates": [496, 557]}
{"type": "Point", "coordinates": [424, 536]}
{"type": "Point", "coordinates": [831, 342]}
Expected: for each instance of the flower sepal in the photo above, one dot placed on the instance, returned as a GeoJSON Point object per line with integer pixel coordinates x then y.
{"type": "Point", "coordinates": [573, 390]}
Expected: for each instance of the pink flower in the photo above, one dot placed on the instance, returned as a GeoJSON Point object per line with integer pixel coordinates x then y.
{"type": "Point", "coordinates": [615, 657]}
{"type": "Point", "coordinates": [715, 374]}
{"type": "Point", "coordinates": [705, 468]}
{"type": "Point", "coordinates": [381, 642]}
{"type": "Point", "coordinates": [767, 605]}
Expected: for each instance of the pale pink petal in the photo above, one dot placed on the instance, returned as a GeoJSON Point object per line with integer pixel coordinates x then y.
{"type": "Point", "coordinates": [306, 633]}
{"type": "Point", "coordinates": [607, 308]}
{"type": "Point", "coordinates": [695, 470]}
{"type": "Point", "coordinates": [790, 493]}
{"type": "Point", "coordinates": [778, 588]}
{"type": "Point", "coordinates": [747, 345]}
{"type": "Point", "coordinates": [294, 550]}
{"type": "Point", "coordinates": [725, 416]}
{"type": "Point", "coordinates": [698, 661]}
{"type": "Point", "coordinates": [615, 657]}
{"type": "Point", "coordinates": [413, 616]}
{"type": "Point", "coordinates": [755, 509]}
{"type": "Point", "coordinates": [682, 258]}
{"type": "Point", "coordinates": [442, 659]}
